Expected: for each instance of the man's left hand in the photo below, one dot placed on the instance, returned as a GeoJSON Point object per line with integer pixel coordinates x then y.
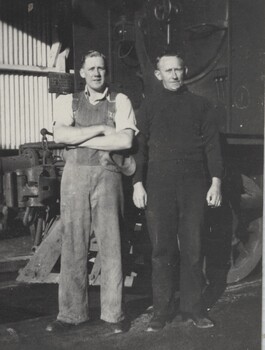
{"type": "Point", "coordinates": [109, 130]}
{"type": "Point", "coordinates": [214, 195]}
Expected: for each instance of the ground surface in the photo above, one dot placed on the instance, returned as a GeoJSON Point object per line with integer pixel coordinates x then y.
{"type": "Point", "coordinates": [25, 311]}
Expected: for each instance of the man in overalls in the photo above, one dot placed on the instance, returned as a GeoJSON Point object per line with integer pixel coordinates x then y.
{"type": "Point", "coordinates": [94, 124]}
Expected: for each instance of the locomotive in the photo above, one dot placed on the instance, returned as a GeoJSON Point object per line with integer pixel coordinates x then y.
{"type": "Point", "coordinates": [222, 42]}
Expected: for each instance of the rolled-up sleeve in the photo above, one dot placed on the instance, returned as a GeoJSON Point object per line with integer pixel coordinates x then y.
{"type": "Point", "coordinates": [63, 112]}
{"type": "Point", "coordinates": [124, 116]}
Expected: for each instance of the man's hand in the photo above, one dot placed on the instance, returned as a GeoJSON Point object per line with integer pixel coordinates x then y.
{"type": "Point", "coordinates": [109, 130]}
{"type": "Point", "coordinates": [214, 196]}
{"type": "Point", "coordinates": [139, 195]}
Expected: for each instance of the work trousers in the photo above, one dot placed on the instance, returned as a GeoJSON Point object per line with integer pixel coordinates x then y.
{"type": "Point", "coordinates": [91, 201]}
{"type": "Point", "coordinates": [176, 193]}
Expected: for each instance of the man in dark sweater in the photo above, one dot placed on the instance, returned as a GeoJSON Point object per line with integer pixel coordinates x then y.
{"type": "Point", "coordinates": [177, 134]}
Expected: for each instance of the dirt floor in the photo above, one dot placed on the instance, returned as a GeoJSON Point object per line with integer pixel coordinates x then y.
{"type": "Point", "coordinates": [26, 310]}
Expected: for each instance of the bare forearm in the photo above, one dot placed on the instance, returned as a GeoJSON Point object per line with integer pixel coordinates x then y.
{"type": "Point", "coordinates": [75, 135]}
{"type": "Point", "coordinates": [114, 142]}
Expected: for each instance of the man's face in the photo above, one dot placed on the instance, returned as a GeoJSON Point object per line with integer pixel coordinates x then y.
{"type": "Point", "coordinates": [94, 72]}
{"type": "Point", "coordinates": [171, 72]}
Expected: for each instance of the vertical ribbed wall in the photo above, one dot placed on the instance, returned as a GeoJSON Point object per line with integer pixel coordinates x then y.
{"type": "Point", "coordinates": [25, 40]}
{"type": "Point", "coordinates": [25, 108]}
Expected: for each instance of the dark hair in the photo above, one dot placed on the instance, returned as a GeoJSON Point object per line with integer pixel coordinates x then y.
{"type": "Point", "coordinates": [94, 53]}
{"type": "Point", "coordinates": [169, 53]}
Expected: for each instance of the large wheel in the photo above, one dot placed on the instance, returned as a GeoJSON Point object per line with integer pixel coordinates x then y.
{"type": "Point", "coordinates": [248, 227]}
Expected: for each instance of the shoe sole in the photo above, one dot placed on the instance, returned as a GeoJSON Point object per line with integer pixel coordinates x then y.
{"type": "Point", "coordinates": [119, 331]}
{"type": "Point", "coordinates": [150, 329]}
{"type": "Point", "coordinates": [59, 328]}
{"type": "Point", "coordinates": [203, 327]}
{"type": "Point", "coordinates": [153, 330]}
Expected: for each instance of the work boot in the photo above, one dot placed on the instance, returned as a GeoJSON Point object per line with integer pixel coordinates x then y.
{"type": "Point", "coordinates": [202, 322]}
{"type": "Point", "coordinates": [157, 323]}
{"type": "Point", "coordinates": [119, 327]}
{"type": "Point", "coordinates": [199, 321]}
{"type": "Point", "coordinates": [58, 326]}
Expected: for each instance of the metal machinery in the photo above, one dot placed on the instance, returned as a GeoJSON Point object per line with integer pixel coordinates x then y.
{"type": "Point", "coordinates": [31, 181]}
{"type": "Point", "coordinates": [222, 41]}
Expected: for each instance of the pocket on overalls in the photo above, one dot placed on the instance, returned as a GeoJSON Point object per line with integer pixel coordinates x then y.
{"type": "Point", "coordinates": [107, 162]}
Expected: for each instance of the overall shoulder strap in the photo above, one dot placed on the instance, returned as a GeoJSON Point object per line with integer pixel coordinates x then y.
{"type": "Point", "coordinates": [76, 100]}
{"type": "Point", "coordinates": [112, 102]}
{"type": "Point", "coordinates": [113, 95]}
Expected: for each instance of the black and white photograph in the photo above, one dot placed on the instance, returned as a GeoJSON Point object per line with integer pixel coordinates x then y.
{"type": "Point", "coordinates": [131, 174]}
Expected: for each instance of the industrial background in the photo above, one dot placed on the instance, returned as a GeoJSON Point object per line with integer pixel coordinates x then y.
{"type": "Point", "coordinates": [41, 46]}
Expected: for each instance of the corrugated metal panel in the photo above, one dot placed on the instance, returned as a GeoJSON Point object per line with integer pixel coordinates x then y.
{"type": "Point", "coordinates": [25, 108]}
{"type": "Point", "coordinates": [25, 40]}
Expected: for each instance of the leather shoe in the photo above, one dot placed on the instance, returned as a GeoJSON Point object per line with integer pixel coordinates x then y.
{"type": "Point", "coordinates": [59, 326]}
{"type": "Point", "coordinates": [201, 321]}
{"type": "Point", "coordinates": [158, 322]}
{"type": "Point", "coordinates": [120, 327]}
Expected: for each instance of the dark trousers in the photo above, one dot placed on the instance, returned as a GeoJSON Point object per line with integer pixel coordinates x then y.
{"type": "Point", "coordinates": [176, 193]}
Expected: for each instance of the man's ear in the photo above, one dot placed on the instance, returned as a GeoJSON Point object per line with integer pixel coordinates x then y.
{"type": "Point", "coordinates": [158, 74]}
{"type": "Point", "coordinates": [82, 73]}
{"type": "Point", "coordinates": [185, 71]}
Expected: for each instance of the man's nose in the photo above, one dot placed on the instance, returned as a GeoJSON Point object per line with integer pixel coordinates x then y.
{"type": "Point", "coordinates": [174, 74]}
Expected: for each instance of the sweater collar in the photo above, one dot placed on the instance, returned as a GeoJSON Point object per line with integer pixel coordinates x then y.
{"type": "Point", "coordinates": [183, 89]}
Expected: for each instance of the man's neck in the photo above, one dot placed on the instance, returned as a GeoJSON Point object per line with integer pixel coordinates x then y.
{"type": "Point", "coordinates": [95, 96]}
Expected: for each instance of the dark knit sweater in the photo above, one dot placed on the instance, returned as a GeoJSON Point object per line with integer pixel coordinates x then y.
{"type": "Point", "coordinates": [177, 125]}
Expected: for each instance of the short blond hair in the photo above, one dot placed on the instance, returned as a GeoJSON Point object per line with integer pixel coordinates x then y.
{"type": "Point", "coordinates": [94, 53]}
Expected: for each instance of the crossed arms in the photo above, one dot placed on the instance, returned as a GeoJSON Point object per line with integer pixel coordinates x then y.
{"type": "Point", "coordinates": [101, 137]}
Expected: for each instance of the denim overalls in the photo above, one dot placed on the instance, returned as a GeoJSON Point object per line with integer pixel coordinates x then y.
{"type": "Point", "coordinates": [91, 201]}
